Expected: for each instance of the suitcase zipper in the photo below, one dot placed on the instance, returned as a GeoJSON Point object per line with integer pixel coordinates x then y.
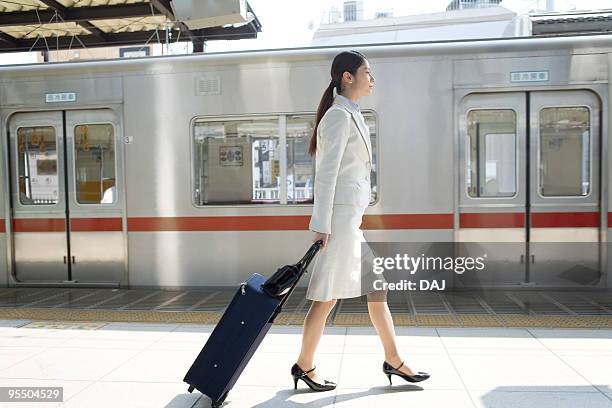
{"type": "Point", "coordinates": [242, 285]}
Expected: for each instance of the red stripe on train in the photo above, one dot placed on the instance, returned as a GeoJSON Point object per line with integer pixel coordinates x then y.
{"type": "Point", "coordinates": [276, 223]}
{"type": "Point", "coordinates": [408, 221]}
{"type": "Point", "coordinates": [59, 224]}
{"type": "Point", "coordinates": [39, 225]}
{"type": "Point", "coordinates": [300, 222]}
{"type": "Point", "coordinates": [538, 220]}
{"type": "Point", "coordinates": [96, 224]}
{"type": "Point", "coordinates": [565, 219]}
{"type": "Point", "coordinates": [492, 220]}
{"type": "Point", "coordinates": [224, 223]}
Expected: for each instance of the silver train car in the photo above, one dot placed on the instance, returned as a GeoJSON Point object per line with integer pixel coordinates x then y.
{"type": "Point", "coordinates": [188, 171]}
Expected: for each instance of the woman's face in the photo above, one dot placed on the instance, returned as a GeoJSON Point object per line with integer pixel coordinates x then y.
{"type": "Point", "coordinates": [362, 83]}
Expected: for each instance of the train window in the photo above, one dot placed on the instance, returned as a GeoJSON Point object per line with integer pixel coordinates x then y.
{"type": "Point", "coordinates": [300, 165]}
{"type": "Point", "coordinates": [370, 121]}
{"type": "Point", "coordinates": [564, 151]}
{"type": "Point", "coordinates": [236, 162]}
{"type": "Point", "coordinates": [94, 153]}
{"type": "Point", "coordinates": [491, 153]}
{"type": "Point", "coordinates": [37, 166]}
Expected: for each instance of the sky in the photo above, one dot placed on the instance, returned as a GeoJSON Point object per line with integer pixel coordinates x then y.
{"type": "Point", "coordinates": [292, 23]}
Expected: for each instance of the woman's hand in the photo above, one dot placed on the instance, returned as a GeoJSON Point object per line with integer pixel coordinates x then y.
{"type": "Point", "coordinates": [322, 236]}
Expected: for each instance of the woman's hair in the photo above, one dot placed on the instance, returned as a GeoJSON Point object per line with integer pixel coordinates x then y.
{"type": "Point", "coordinates": [345, 61]}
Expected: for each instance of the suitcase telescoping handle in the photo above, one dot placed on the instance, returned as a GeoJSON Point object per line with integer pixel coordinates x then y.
{"type": "Point", "coordinates": [301, 266]}
{"type": "Point", "coordinates": [310, 254]}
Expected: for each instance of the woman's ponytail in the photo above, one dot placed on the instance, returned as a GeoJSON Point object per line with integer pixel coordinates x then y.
{"type": "Point", "coordinates": [346, 61]}
{"type": "Point", "coordinates": [326, 102]}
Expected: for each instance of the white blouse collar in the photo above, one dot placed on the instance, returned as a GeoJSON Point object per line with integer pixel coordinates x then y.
{"type": "Point", "coordinates": [347, 101]}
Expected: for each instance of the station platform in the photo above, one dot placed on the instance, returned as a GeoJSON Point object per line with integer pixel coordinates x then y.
{"type": "Point", "coordinates": [137, 365]}
{"type": "Point", "coordinates": [132, 347]}
{"type": "Point", "coordinates": [547, 309]}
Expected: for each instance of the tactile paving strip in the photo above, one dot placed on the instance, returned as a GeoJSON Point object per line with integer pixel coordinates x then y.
{"type": "Point", "coordinates": [603, 322]}
{"type": "Point", "coordinates": [575, 309]}
{"type": "Point", "coordinates": [341, 319]}
{"type": "Point", "coordinates": [352, 319]}
{"type": "Point", "coordinates": [440, 320]}
{"type": "Point", "coordinates": [479, 320]}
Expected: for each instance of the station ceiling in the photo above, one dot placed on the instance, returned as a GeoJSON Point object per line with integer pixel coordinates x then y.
{"type": "Point", "coordinates": [44, 25]}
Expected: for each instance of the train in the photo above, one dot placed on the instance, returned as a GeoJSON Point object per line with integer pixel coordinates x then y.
{"type": "Point", "coordinates": [192, 170]}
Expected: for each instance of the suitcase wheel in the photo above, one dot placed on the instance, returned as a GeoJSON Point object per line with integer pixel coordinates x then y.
{"type": "Point", "coordinates": [191, 388]}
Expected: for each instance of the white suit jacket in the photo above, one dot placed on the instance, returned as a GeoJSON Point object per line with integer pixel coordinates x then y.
{"type": "Point", "coordinates": [343, 163]}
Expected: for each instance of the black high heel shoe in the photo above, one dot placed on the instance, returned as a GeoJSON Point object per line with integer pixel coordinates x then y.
{"type": "Point", "coordinates": [389, 370]}
{"type": "Point", "coordinates": [299, 374]}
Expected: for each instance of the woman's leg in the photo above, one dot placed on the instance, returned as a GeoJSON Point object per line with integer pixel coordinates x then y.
{"type": "Point", "coordinates": [314, 324]}
{"type": "Point", "coordinates": [383, 322]}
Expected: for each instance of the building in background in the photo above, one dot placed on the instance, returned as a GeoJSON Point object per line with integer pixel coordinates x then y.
{"type": "Point", "coordinates": [467, 4]}
{"type": "Point", "coordinates": [579, 22]}
{"type": "Point", "coordinates": [464, 19]}
{"type": "Point", "coordinates": [352, 10]}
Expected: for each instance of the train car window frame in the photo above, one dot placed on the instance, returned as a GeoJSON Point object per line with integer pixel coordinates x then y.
{"type": "Point", "coordinates": [73, 165]}
{"type": "Point", "coordinates": [57, 167]}
{"type": "Point", "coordinates": [310, 117]}
{"type": "Point", "coordinates": [539, 152]}
{"type": "Point", "coordinates": [517, 156]}
{"type": "Point", "coordinates": [227, 118]}
{"type": "Point", "coordinates": [375, 155]}
{"type": "Point", "coordinates": [281, 119]}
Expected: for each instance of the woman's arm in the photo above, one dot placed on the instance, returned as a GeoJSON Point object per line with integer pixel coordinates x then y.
{"type": "Point", "coordinates": [333, 136]}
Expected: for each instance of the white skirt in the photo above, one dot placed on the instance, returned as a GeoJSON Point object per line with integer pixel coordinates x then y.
{"type": "Point", "coordinates": [336, 271]}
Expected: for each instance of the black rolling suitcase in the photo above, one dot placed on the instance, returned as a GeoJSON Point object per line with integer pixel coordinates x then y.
{"type": "Point", "coordinates": [241, 329]}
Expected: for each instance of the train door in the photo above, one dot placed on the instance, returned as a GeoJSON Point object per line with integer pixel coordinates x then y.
{"type": "Point", "coordinates": [493, 198]}
{"type": "Point", "coordinates": [66, 201]}
{"type": "Point", "coordinates": [529, 187]}
{"type": "Point", "coordinates": [564, 188]}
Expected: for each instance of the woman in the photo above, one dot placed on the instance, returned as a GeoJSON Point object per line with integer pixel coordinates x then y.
{"type": "Point", "coordinates": [343, 150]}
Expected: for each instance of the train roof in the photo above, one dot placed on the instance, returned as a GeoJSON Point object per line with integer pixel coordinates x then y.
{"type": "Point", "coordinates": [582, 43]}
